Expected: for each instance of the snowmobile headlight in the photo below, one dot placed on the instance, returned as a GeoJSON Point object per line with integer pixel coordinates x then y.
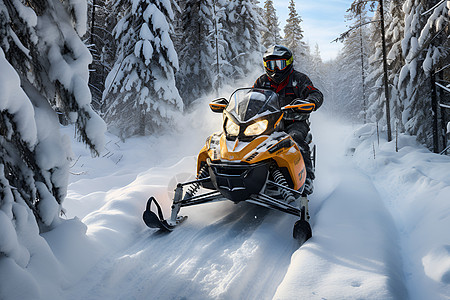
{"type": "Point", "coordinates": [256, 128]}
{"type": "Point", "coordinates": [232, 128]}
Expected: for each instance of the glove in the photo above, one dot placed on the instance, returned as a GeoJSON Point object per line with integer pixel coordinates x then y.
{"type": "Point", "coordinates": [301, 106]}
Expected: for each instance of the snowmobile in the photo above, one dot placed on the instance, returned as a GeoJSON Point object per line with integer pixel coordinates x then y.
{"type": "Point", "coordinates": [251, 160]}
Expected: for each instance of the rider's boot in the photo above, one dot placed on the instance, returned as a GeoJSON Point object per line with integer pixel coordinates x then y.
{"type": "Point", "coordinates": [309, 187]}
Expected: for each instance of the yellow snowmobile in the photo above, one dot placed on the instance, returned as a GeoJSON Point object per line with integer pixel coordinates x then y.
{"type": "Point", "coordinates": [251, 160]}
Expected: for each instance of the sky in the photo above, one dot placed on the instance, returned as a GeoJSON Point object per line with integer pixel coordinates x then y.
{"type": "Point", "coordinates": [323, 21]}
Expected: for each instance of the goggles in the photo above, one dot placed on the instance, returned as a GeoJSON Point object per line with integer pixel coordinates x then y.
{"type": "Point", "coordinates": [281, 64]}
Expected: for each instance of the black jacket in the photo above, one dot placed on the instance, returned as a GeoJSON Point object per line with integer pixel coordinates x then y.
{"type": "Point", "coordinates": [296, 86]}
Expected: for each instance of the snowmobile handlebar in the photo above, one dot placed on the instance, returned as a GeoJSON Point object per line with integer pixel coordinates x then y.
{"type": "Point", "coordinates": [300, 105]}
{"type": "Point", "coordinates": [303, 106]}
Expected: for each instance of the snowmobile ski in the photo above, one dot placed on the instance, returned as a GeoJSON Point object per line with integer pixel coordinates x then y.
{"type": "Point", "coordinates": [302, 231]}
{"type": "Point", "coordinates": [157, 221]}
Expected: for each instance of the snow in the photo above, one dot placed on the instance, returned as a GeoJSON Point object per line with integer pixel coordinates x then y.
{"type": "Point", "coordinates": [145, 32]}
{"type": "Point", "coordinates": [79, 9]}
{"type": "Point", "coordinates": [379, 226]}
{"type": "Point", "coordinates": [19, 44]}
{"type": "Point", "coordinates": [26, 13]}
{"type": "Point", "coordinates": [155, 17]}
{"type": "Point", "coordinates": [16, 102]}
{"type": "Point", "coordinates": [437, 264]}
{"type": "Point", "coordinates": [69, 59]}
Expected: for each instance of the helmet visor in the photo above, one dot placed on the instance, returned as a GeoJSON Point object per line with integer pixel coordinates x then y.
{"type": "Point", "coordinates": [281, 64]}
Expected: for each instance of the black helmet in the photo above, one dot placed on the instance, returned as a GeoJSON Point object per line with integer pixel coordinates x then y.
{"type": "Point", "coordinates": [278, 63]}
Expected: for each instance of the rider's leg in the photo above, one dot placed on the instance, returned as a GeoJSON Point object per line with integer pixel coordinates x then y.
{"type": "Point", "coordinates": [299, 130]}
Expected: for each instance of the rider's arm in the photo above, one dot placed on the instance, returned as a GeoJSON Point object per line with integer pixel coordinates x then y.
{"type": "Point", "coordinates": [259, 82]}
{"type": "Point", "coordinates": [310, 92]}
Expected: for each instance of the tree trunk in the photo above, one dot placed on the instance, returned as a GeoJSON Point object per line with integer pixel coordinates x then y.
{"type": "Point", "coordinates": [386, 86]}
{"type": "Point", "coordinates": [363, 75]}
{"type": "Point", "coordinates": [434, 107]}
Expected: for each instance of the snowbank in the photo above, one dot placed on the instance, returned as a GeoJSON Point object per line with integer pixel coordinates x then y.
{"type": "Point", "coordinates": [415, 186]}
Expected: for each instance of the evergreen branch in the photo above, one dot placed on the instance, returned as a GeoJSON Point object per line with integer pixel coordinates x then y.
{"type": "Point", "coordinates": [426, 44]}
{"type": "Point", "coordinates": [428, 11]}
{"type": "Point", "coordinates": [358, 6]}
{"type": "Point", "coordinates": [344, 35]}
{"type": "Point", "coordinates": [443, 87]}
{"type": "Point", "coordinates": [442, 69]}
{"type": "Point", "coordinates": [103, 29]}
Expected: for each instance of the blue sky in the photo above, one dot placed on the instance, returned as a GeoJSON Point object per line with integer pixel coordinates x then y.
{"type": "Point", "coordinates": [323, 21]}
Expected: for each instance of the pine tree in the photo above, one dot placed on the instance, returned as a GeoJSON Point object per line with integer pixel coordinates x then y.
{"type": "Point", "coordinates": [293, 36]}
{"type": "Point", "coordinates": [270, 30]}
{"type": "Point", "coordinates": [317, 72]}
{"type": "Point", "coordinates": [334, 87]}
{"type": "Point", "coordinates": [353, 65]}
{"type": "Point", "coordinates": [101, 20]}
{"type": "Point", "coordinates": [221, 63]}
{"type": "Point", "coordinates": [141, 95]}
{"type": "Point", "coordinates": [394, 34]}
{"type": "Point", "coordinates": [411, 80]}
{"type": "Point", "coordinates": [195, 49]}
{"type": "Point", "coordinates": [53, 73]}
{"type": "Point", "coordinates": [54, 66]}
{"type": "Point", "coordinates": [376, 111]}
{"type": "Point", "coordinates": [241, 27]}
{"type": "Point", "coordinates": [421, 51]}
{"type": "Point", "coordinates": [434, 37]}
{"type": "Point", "coordinates": [44, 70]}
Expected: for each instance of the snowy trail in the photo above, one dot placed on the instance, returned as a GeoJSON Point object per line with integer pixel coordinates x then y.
{"type": "Point", "coordinates": [219, 254]}
{"type": "Point", "coordinates": [228, 251]}
{"type": "Point", "coordinates": [354, 252]}
{"type": "Point", "coordinates": [222, 260]}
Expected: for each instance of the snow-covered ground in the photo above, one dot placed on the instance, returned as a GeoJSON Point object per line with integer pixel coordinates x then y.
{"type": "Point", "coordinates": [380, 223]}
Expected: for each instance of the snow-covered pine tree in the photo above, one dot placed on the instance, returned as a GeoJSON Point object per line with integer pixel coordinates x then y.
{"type": "Point", "coordinates": [434, 37]}
{"type": "Point", "coordinates": [270, 30]}
{"type": "Point", "coordinates": [179, 7]}
{"type": "Point", "coordinates": [221, 63]}
{"type": "Point", "coordinates": [195, 50]}
{"type": "Point", "coordinates": [140, 94]}
{"type": "Point", "coordinates": [241, 32]}
{"type": "Point", "coordinates": [317, 72]}
{"type": "Point", "coordinates": [394, 35]}
{"type": "Point", "coordinates": [52, 64]}
{"type": "Point", "coordinates": [374, 80]}
{"type": "Point", "coordinates": [51, 60]}
{"type": "Point", "coordinates": [101, 21]}
{"type": "Point", "coordinates": [333, 87]}
{"type": "Point", "coordinates": [353, 66]}
{"type": "Point", "coordinates": [293, 38]}
{"type": "Point", "coordinates": [44, 68]}
{"type": "Point", "coordinates": [423, 50]}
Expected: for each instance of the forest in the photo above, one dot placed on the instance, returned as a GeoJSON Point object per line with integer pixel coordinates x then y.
{"type": "Point", "coordinates": [133, 67]}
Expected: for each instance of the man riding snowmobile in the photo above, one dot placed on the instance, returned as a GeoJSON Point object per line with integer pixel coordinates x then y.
{"type": "Point", "coordinates": [291, 85]}
{"type": "Point", "coordinates": [260, 156]}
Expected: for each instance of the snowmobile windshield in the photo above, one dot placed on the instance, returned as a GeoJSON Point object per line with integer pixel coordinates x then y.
{"type": "Point", "coordinates": [245, 104]}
